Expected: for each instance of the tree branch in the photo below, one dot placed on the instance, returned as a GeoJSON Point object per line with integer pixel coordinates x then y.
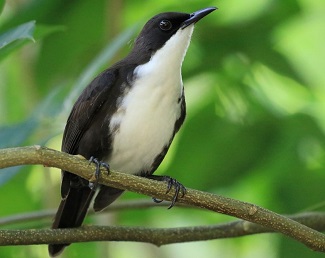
{"type": "Point", "coordinates": [74, 164]}
{"type": "Point", "coordinates": [156, 236]}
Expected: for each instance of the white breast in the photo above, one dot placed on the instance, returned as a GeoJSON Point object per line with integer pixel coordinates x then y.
{"type": "Point", "coordinates": [145, 120]}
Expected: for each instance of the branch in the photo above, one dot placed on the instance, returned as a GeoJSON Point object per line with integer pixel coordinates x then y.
{"type": "Point", "coordinates": [74, 164]}
{"type": "Point", "coordinates": [156, 236]}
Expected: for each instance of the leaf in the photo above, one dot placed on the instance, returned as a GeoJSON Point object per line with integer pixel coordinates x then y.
{"type": "Point", "coordinates": [24, 31]}
{"type": "Point", "coordinates": [16, 37]}
{"type": "Point", "coordinates": [42, 31]}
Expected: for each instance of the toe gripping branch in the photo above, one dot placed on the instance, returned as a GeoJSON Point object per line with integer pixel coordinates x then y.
{"type": "Point", "coordinates": [179, 188]}
{"type": "Point", "coordinates": [93, 185]}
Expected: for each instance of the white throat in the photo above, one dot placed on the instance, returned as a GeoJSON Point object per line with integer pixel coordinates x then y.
{"type": "Point", "coordinates": [168, 60]}
{"type": "Point", "coordinates": [147, 114]}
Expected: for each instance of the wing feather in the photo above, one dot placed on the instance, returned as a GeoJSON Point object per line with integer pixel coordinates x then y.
{"type": "Point", "coordinates": [86, 109]}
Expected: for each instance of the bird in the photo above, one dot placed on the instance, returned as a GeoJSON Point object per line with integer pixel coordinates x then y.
{"type": "Point", "coordinates": [127, 117]}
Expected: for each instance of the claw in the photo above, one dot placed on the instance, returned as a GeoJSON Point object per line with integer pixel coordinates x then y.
{"type": "Point", "coordinates": [156, 200]}
{"type": "Point", "coordinates": [178, 188]}
{"type": "Point", "coordinates": [170, 183]}
{"type": "Point", "coordinates": [93, 185]}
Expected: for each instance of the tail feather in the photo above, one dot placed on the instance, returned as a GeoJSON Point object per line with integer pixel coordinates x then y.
{"type": "Point", "coordinates": [106, 196]}
{"type": "Point", "coordinates": [71, 213]}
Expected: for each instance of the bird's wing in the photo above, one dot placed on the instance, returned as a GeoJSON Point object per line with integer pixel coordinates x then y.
{"type": "Point", "coordinates": [86, 108]}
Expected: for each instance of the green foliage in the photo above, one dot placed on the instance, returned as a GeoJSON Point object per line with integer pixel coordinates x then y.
{"type": "Point", "coordinates": [16, 37]}
{"type": "Point", "coordinates": [2, 4]}
{"type": "Point", "coordinates": [255, 127]}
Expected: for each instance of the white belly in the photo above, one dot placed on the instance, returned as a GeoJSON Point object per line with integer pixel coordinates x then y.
{"type": "Point", "coordinates": [144, 123]}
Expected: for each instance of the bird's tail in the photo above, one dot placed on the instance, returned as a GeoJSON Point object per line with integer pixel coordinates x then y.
{"type": "Point", "coordinates": [71, 213]}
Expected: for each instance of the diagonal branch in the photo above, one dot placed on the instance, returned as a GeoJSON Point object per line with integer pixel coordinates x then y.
{"type": "Point", "coordinates": [250, 212]}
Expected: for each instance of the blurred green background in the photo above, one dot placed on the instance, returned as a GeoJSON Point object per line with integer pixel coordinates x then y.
{"type": "Point", "coordinates": [255, 130]}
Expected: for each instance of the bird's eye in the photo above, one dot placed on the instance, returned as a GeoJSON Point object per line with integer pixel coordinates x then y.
{"type": "Point", "coordinates": [165, 25]}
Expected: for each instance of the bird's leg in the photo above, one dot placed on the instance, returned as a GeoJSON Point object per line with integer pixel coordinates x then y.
{"type": "Point", "coordinates": [93, 185]}
{"type": "Point", "coordinates": [179, 188]}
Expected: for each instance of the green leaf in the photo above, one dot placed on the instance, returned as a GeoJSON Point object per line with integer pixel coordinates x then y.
{"type": "Point", "coordinates": [24, 31]}
{"type": "Point", "coordinates": [16, 37]}
{"type": "Point", "coordinates": [42, 31]}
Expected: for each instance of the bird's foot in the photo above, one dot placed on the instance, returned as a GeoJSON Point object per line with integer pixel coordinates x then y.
{"type": "Point", "coordinates": [93, 185]}
{"type": "Point", "coordinates": [179, 188]}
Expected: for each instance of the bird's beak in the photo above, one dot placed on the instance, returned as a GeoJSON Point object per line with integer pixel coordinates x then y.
{"type": "Point", "coordinates": [196, 16]}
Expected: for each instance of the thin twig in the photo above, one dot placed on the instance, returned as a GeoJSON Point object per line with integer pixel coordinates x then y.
{"type": "Point", "coordinates": [156, 236]}
{"type": "Point", "coordinates": [118, 206]}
